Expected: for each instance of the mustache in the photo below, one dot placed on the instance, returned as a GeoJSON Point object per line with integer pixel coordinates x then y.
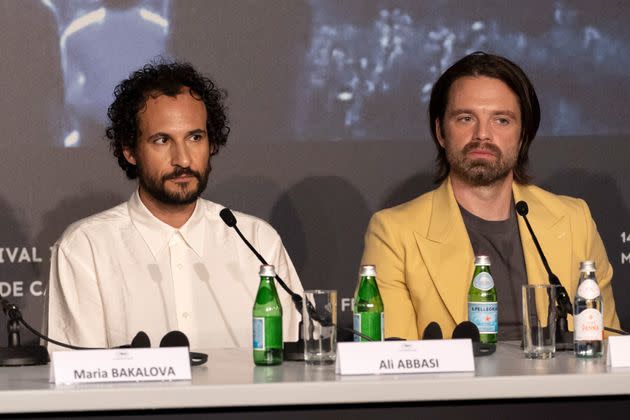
{"type": "Point", "coordinates": [181, 172]}
{"type": "Point", "coordinates": [477, 145]}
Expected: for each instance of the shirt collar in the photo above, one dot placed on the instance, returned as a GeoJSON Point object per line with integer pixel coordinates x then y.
{"type": "Point", "coordinates": [157, 234]}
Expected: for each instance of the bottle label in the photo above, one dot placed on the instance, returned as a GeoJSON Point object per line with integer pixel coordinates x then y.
{"type": "Point", "coordinates": [259, 333]}
{"type": "Point", "coordinates": [483, 281]}
{"type": "Point", "coordinates": [485, 316]}
{"type": "Point", "coordinates": [589, 325]}
{"type": "Point", "coordinates": [370, 324]}
{"type": "Point", "coordinates": [588, 289]}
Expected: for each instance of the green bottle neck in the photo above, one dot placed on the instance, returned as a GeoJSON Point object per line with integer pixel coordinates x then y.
{"type": "Point", "coordinates": [367, 288]}
{"type": "Point", "coordinates": [481, 269]}
{"type": "Point", "coordinates": [267, 283]}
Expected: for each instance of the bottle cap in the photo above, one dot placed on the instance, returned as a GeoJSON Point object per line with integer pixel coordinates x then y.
{"type": "Point", "coordinates": [368, 271]}
{"type": "Point", "coordinates": [587, 266]}
{"type": "Point", "coordinates": [482, 260]}
{"type": "Point", "coordinates": [267, 271]}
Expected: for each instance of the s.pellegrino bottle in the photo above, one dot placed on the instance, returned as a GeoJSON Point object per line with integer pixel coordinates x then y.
{"type": "Point", "coordinates": [267, 320]}
{"type": "Point", "coordinates": [368, 306]}
{"type": "Point", "coordinates": [588, 310]}
{"type": "Point", "coordinates": [482, 301]}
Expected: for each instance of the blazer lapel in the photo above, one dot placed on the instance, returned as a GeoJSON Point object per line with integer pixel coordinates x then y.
{"type": "Point", "coordinates": [447, 252]}
{"type": "Point", "coordinates": [554, 235]}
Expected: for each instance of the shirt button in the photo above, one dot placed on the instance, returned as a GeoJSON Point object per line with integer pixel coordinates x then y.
{"type": "Point", "coordinates": [185, 314]}
{"type": "Point", "coordinates": [180, 266]}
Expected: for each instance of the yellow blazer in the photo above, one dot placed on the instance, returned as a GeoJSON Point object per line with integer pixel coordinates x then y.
{"type": "Point", "coordinates": [424, 259]}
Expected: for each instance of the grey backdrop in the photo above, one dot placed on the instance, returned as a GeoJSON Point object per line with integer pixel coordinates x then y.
{"type": "Point", "coordinates": [327, 104]}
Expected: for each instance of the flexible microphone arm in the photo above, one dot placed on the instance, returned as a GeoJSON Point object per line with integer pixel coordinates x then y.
{"type": "Point", "coordinates": [39, 354]}
{"type": "Point", "coordinates": [325, 321]}
{"type": "Point", "coordinates": [564, 302]}
{"type": "Point", "coordinates": [563, 298]}
{"type": "Point", "coordinates": [564, 337]}
{"type": "Point", "coordinates": [229, 219]}
{"type": "Point", "coordinates": [15, 315]}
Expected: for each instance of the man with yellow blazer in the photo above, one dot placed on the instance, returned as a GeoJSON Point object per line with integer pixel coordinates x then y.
{"type": "Point", "coordinates": [484, 113]}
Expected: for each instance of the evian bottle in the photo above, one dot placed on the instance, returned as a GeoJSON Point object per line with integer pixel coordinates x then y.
{"type": "Point", "coordinates": [588, 310]}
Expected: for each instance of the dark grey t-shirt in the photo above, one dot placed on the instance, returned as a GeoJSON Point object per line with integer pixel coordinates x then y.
{"type": "Point", "coordinates": [501, 241]}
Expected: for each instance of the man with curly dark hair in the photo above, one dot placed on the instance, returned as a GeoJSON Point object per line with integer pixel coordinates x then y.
{"type": "Point", "coordinates": [164, 260]}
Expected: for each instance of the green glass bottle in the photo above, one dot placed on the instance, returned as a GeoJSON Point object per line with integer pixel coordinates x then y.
{"type": "Point", "coordinates": [267, 320]}
{"type": "Point", "coordinates": [482, 301]}
{"type": "Point", "coordinates": [368, 306]}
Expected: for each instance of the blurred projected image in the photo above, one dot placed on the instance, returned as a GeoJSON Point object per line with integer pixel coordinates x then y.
{"type": "Point", "coordinates": [101, 42]}
{"type": "Point", "coordinates": [370, 66]}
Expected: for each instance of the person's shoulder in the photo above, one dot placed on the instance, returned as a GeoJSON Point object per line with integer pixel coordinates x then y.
{"type": "Point", "coordinates": [245, 222]}
{"type": "Point", "coordinates": [92, 225]}
{"type": "Point", "coordinates": [558, 203]}
{"type": "Point", "coordinates": [401, 213]}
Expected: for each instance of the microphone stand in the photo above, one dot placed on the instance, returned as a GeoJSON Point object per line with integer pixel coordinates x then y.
{"type": "Point", "coordinates": [293, 350]}
{"type": "Point", "coordinates": [564, 337]}
{"type": "Point", "coordinates": [15, 354]}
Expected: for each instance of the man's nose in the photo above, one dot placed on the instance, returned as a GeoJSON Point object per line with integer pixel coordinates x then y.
{"type": "Point", "coordinates": [483, 130]}
{"type": "Point", "coordinates": [180, 155]}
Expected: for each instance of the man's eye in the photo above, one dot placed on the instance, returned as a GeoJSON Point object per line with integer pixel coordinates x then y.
{"type": "Point", "coordinates": [196, 137]}
{"type": "Point", "coordinates": [465, 118]}
{"type": "Point", "coordinates": [503, 121]}
{"type": "Point", "coordinates": [160, 140]}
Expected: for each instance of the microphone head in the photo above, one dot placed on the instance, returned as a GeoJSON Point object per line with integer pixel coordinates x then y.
{"type": "Point", "coordinates": [522, 208]}
{"type": "Point", "coordinates": [467, 330]}
{"type": "Point", "coordinates": [141, 340]}
{"type": "Point", "coordinates": [432, 332]}
{"type": "Point", "coordinates": [228, 217]}
{"type": "Point", "coordinates": [175, 339]}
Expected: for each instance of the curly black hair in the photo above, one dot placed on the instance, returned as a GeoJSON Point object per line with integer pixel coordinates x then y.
{"type": "Point", "coordinates": [162, 78]}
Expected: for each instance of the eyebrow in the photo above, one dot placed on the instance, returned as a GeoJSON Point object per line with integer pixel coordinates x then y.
{"type": "Point", "coordinates": [197, 131]}
{"type": "Point", "coordinates": [470, 111]}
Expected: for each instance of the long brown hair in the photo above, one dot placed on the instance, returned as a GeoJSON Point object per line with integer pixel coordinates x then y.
{"type": "Point", "coordinates": [497, 67]}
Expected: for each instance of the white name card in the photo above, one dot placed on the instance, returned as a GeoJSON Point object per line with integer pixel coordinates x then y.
{"type": "Point", "coordinates": [383, 357]}
{"type": "Point", "coordinates": [120, 365]}
{"type": "Point", "coordinates": [619, 351]}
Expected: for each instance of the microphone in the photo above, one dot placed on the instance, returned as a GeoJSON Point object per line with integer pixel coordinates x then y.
{"type": "Point", "coordinates": [179, 339]}
{"type": "Point", "coordinates": [15, 354]}
{"type": "Point", "coordinates": [467, 329]}
{"type": "Point", "coordinates": [564, 337]}
{"type": "Point", "coordinates": [141, 340]}
{"type": "Point", "coordinates": [432, 331]}
{"type": "Point", "coordinates": [171, 339]}
{"type": "Point", "coordinates": [230, 220]}
{"type": "Point", "coordinates": [175, 339]}
{"type": "Point", "coordinates": [325, 319]}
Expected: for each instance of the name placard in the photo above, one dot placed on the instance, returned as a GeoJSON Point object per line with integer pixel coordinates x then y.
{"type": "Point", "coordinates": [619, 351]}
{"type": "Point", "coordinates": [120, 365]}
{"type": "Point", "coordinates": [385, 357]}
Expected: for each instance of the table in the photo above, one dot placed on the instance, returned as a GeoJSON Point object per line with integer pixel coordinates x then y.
{"type": "Point", "coordinates": [230, 385]}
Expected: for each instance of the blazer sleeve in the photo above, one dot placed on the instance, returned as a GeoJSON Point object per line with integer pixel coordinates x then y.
{"type": "Point", "coordinates": [596, 252]}
{"type": "Point", "coordinates": [384, 249]}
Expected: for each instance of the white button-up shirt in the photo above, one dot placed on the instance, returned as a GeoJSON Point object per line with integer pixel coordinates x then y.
{"type": "Point", "coordinates": [122, 271]}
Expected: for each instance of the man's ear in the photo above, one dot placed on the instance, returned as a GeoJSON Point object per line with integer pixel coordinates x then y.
{"type": "Point", "coordinates": [129, 155]}
{"type": "Point", "coordinates": [438, 132]}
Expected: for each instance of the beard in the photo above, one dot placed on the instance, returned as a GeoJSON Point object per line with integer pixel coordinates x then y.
{"type": "Point", "coordinates": [481, 172]}
{"type": "Point", "coordinates": [156, 187]}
